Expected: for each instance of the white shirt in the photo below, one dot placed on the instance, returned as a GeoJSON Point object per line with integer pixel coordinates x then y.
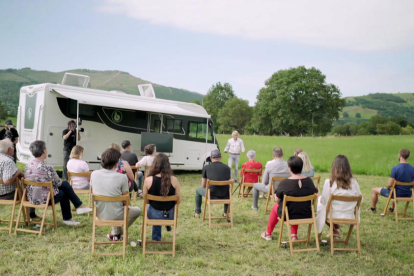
{"type": "Point", "coordinates": [340, 209]}
{"type": "Point", "coordinates": [146, 161]}
{"type": "Point", "coordinates": [78, 166]}
{"type": "Point", "coordinates": [234, 147]}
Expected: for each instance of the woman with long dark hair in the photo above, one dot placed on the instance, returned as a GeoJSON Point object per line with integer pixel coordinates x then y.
{"type": "Point", "coordinates": [341, 183]}
{"type": "Point", "coordinates": [161, 182]}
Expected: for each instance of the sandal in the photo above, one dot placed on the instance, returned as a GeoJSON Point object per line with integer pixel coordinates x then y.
{"type": "Point", "coordinates": [140, 194]}
{"type": "Point", "coordinates": [336, 234]}
{"type": "Point", "coordinates": [197, 215]}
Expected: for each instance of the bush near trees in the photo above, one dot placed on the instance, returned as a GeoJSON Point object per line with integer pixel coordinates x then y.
{"type": "Point", "coordinates": [377, 125]}
{"type": "Point", "coordinates": [345, 115]}
{"type": "Point", "coordinates": [297, 101]}
{"type": "Point", "coordinates": [358, 115]}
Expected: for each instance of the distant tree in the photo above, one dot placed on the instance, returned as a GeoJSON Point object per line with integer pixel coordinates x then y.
{"type": "Point", "coordinates": [215, 99]}
{"type": "Point", "coordinates": [357, 115]}
{"type": "Point", "coordinates": [3, 113]}
{"type": "Point", "coordinates": [235, 115]}
{"type": "Point", "coordinates": [297, 101]}
{"type": "Point", "coordinates": [345, 114]}
{"type": "Point", "coordinates": [196, 102]}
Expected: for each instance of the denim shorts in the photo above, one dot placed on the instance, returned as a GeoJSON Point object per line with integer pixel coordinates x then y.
{"type": "Point", "coordinates": [386, 192]}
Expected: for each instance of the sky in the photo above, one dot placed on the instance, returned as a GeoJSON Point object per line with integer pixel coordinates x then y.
{"type": "Point", "coordinates": [361, 46]}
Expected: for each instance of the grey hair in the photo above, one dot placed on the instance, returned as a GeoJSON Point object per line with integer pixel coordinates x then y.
{"type": "Point", "coordinates": [5, 144]}
{"type": "Point", "coordinates": [234, 132]}
{"type": "Point", "coordinates": [37, 147]}
{"type": "Point", "coordinates": [251, 154]}
{"type": "Point", "coordinates": [278, 152]}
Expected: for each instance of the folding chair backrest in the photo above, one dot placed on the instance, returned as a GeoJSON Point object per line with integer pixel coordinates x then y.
{"type": "Point", "coordinates": [251, 171]}
{"type": "Point", "coordinates": [111, 198]}
{"type": "Point", "coordinates": [317, 179]}
{"type": "Point", "coordinates": [219, 183]}
{"type": "Point", "coordinates": [411, 184]}
{"type": "Point", "coordinates": [18, 188]}
{"type": "Point", "coordinates": [356, 199]}
{"type": "Point", "coordinates": [175, 198]}
{"type": "Point", "coordinates": [276, 181]}
{"type": "Point", "coordinates": [83, 174]}
{"type": "Point", "coordinates": [313, 197]}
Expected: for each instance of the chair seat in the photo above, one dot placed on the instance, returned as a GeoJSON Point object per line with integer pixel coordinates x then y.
{"type": "Point", "coordinates": [248, 184]}
{"type": "Point", "coordinates": [84, 192]}
{"type": "Point", "coordinates": [28, 204]}
{"type": "Point", "coordinates": [99, 222]}
{"type": "Point", "coordinates": [219, 201]}
{"type": "Point", "coordinates": [9, 202]}
{"type": "Point", "coordinates": [343, 221]}
{"type": "Point", "coordinates": [404, 199]}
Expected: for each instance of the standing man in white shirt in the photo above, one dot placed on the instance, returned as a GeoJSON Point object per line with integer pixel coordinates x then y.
{"type": "Point", "coordinates": [234, 146]}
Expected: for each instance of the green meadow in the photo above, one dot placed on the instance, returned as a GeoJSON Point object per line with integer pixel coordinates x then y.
{"type": "Point", "coordinates": [387, 246]}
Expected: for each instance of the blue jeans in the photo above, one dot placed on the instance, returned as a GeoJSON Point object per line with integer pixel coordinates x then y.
{"type": "Point", "coordinates": [157, 214]}
{"type": "Point", "coordinates": [140, 178]}
{"type": "Point", "coordinates": [65, 196]}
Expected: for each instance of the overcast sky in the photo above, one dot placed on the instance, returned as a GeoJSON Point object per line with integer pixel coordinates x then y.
{"type": "Point", "coordinates": [361, 46]}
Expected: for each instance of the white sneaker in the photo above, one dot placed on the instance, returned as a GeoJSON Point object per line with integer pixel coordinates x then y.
{"type": "Point", "coordinates": [266, 237]}
{"type": "Point", "coordinates": [83, 210]}
{"type": "Point", "coordinates": [71, 222]}
{"type": "Point", "coordinates": [255, 209]}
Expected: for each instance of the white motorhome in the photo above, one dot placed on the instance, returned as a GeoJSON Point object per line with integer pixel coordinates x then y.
{"type": "Point", "coordinates": [184, 131]}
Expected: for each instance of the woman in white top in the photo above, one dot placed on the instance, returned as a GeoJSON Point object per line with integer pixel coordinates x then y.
{"type": "Point", "coordinates": [308, 169]}
{"type": "Point", "coordinates": [77, 165]}
{"type": "Point", "coordinates": [150, 153]}
{"type": "Point", "coordinates": [341, 183]}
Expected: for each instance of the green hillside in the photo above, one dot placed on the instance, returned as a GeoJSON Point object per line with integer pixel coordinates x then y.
{"type": "Point", "coordinates": [11, 80]}
{"type": "Point", "coordinates": [383, 104]}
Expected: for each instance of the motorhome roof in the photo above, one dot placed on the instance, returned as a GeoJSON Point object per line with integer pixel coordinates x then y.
{"type": "Point", "coordinates": [127, 101]}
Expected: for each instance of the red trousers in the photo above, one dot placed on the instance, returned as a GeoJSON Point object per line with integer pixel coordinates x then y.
{"type": "Point", "coordinates": [274, 218]}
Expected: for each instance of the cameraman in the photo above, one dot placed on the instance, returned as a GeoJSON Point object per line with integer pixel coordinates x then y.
{"type": "Point", "coordinates": [11, 133]}
{"type": "Point", "coordinates": [69, 141]}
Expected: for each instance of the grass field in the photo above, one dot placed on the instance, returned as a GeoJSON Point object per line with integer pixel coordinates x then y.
{"type": "Point", "coordinates": [370, 155]}
{"type": "Point", "coordinates": [387, 246]}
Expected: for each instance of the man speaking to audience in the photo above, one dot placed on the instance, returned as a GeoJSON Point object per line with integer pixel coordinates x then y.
{"type": "Point", "coordinates": [234, 147]}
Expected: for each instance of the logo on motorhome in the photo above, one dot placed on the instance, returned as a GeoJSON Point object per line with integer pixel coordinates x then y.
{"type": "Point", "coordinates": [116, 116]}
{"type": "Point", "coordinates": [29, 113]}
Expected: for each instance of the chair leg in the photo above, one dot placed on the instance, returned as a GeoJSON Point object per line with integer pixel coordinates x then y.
{"type": "Point", "coordinates": [12, 217]}
{"type": "Point", "coordinates": [144, 238]}
{"type": "Point", "coordinates": [396, 210]}
{"type": "Point", "coordinates": [281, 231]}
{"type": "Point", "coordinates": [267, 202]}
{"type": "Point", "coordinates": [231, 213]}
{"type": "Point", "coordinates": [42, 225]}
{"type": "Point", "coordinates": [349, 234]}
{"type": "Point", "coordinates": [309, 233]}
{"type": "Point", "coordinates": [205, 207]}
{"type": "Point", "coordinates": [405, 209]}
{"type": "Point", "coordinates": [331, 237]}
{"type": "Point", "coordinates": [93, 234]}
{"type": "Point", "coordinates": [388, 202]}
{"type": "Point", "coordinates": [124, 244]}
{"type": "Point", "coordinates": [358, 239]}
{"type": "Point", "coordinates": [18, 217]}
{"type": "Point", "coordinates": [174, 232]}
{"type": "Point", "coordinates": [209, 215]}
{"type": "Point", "coordinates": [290, 238]}
{"type": "Point", "coordinates": [316, 235]}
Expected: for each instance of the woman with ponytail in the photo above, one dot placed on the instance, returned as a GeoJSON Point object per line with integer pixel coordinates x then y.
{"type": "Point", "coordinates": [161, 182]}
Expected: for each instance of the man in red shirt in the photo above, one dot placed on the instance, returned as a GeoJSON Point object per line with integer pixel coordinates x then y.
{"type": "Point", "coordinates": [251, 165]}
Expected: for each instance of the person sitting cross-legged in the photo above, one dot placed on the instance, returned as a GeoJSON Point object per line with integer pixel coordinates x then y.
{"type": "Point", "coordinates": [108, 182]}
{"type": "Point", "coordinates": [402, 172]}
{"type": "Point", "coordinates": [274, 168]}
{"type": "Point", "coordinates": [161, 182]}
{"type": "Point", "coordinates": [39, 171]}
{"type": "Point", "coordinates": [216, 171]}
{"type": "Point", "coordinates": [252, 164]}
{"type": "Point", "coordinates": [340, 183]}
{"type": "Point", "coordinates": [296, 185]}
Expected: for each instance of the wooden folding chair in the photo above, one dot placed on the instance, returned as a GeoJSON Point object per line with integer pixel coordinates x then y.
{"type": "Point", "coordinates": [110, 223]}
{"type": "Point", "coordinates": [16, 201]}
{"type": "Point", "coordinates": [272, 191]}
{"type": "Point", "coordinates": [393, 197]}
{"type": "Point", "coordinates": [245, 184]}
{"type": "Point", "coordinates": [26, 204]}
{"type": "Point", "coordinates": [351, 222]}
{"type": "Point", "coordinates": [317, 179]}
{"type": "Point", "coordinates": [78, 191]}
{"type": "Point", "coordinates": [210, 201]}
{"type": "Point", "coordinates": [159, 222]}
{"type": "Point", "coordinates": [289, 222]}
{"type": "Point", "coordinates": [135, 172]}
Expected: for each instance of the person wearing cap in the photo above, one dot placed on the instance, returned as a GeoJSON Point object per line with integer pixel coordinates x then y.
{"type": "Point", "coordinates": [10, 132]}
{"type": "Point", "coordinates": [234, 146]}
{"type": "Point", "coordinates": [216, 171]}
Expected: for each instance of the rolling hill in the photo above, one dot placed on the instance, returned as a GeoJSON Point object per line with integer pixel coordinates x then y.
{"type": "Point", "coordinates": [12, 79]}
{"type": "Point", "coordinates": [383, 104]}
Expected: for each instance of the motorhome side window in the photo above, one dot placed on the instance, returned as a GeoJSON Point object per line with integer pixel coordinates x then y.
{"type": "Point", "coordinates": [174, 125]}
{"type": "Point", "coordinates": [198, 131]}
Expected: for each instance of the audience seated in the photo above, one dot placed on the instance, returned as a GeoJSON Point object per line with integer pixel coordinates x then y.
{"type": "Point", "coordinates": [132, 159]}
{"type": "Point", "coordinates": [9, 173]}
{"type": "Point", "coordinates": [150, 152]}
{"type": "Point", "coordinates": [402, 172]}
{"type": "Point", "coordinates": [216, 171]}
{"type": "Point", "coordinates": [77, 165]}
{"type": "Point", "coordinates": [308, 169]}
{"type": "Point", "coordinates": [108, 182]}
{"type": "Point", "coordinates": [341, 183]}
{"type": "Point", "coordinates": [296, 185]}
{"type": "Point", "coordinates": [39, 171]}
{"type": "Point", "coordinates": [161, 182]}
{"type": "Point", "coordinates": [251, 165]}
{"type": "Point", "coordinates": [276, 167]}
{"type": "Point", "coordinates": [124, 168]}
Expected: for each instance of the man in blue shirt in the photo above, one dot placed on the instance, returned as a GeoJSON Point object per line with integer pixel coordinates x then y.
{"type": "Point", "coordinates": [402, 172]}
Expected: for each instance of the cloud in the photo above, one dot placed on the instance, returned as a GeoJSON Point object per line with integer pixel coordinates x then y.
{"type": "Point", "coordinates": [366, 25]}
